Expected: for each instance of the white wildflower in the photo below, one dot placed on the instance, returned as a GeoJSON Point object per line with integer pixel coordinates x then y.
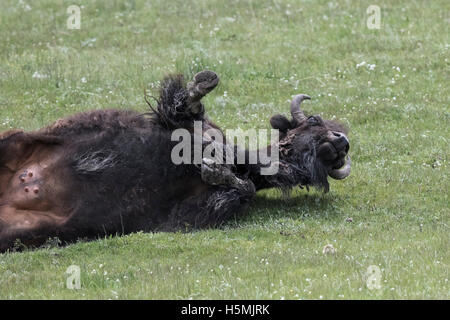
{"type": "Point", "coordinates": [37, 75]}
{"type": "Point", "coordinates": [359, 65]}
{"type": "Point", "coordinates": [329, 249]}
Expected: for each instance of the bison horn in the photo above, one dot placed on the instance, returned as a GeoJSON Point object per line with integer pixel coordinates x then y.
{"type": "Point", "coordinates": [296, 112]}
{"type": "Point", "coordinates": [203, 83]}
{"type": "Point", "coordinates": [343, 172]}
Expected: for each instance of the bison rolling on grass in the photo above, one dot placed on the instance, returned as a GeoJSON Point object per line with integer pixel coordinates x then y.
{"type": "Point", "coordinates": [108, 172]}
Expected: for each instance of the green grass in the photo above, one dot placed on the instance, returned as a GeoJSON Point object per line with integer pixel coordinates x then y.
{"type": "Point", "coordinates": [264, 51]}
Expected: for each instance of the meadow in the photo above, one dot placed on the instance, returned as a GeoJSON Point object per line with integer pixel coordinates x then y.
{"type": "Point", "coordinates": [389, 85]}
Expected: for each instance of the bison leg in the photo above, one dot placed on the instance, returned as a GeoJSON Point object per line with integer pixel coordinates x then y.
{"type": "Point", "coordinates": [203, 83]}
{"type": "Point", "coordinates": [225, 197]}
{"type": "Point", "coordinates": [16, 146]}
{"type": "Point", "coordinates": [208, 210]}
{"type": "Point", "coordinates": [29, 228]}
{"type": "Point", "coordinates": [180, 104]}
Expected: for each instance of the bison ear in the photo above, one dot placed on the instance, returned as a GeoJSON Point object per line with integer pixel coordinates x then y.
{"type": "Point", "coordinates": [280, 122]}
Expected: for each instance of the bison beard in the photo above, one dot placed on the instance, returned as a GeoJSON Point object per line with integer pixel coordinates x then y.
{"type": "Point", "coordinates": [109, 172]}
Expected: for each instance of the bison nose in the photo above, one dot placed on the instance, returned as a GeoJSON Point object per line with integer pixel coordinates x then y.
{"type": "Point", "coordinates": [340, 141]}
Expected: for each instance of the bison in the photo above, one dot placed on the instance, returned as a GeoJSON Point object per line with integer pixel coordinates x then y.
{"type": "Point", "coordinates": [110, 172]}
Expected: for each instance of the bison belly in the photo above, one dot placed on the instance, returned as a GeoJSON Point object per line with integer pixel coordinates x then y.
{"type": "Point", "coordinates": [34, 192]}
{"type": "Point", "coordinates": [107, 183]}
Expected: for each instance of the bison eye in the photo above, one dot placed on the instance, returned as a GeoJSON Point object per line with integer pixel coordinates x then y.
{"type": "Point", "coordinates": [313, 120]}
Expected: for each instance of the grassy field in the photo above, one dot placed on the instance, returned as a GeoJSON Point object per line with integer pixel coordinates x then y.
{"type": "Point", "coordinates": [390, 85]}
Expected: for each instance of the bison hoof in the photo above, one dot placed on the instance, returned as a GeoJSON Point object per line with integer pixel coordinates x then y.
{"type": "Point", "coordinates": [203, 83]}
{"type": "Point", "coordinates": [218, 174]}
{"type": "Point", "coordinates": [206, 81]}
{"type": "Point", "coordinates": [214, 173]}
